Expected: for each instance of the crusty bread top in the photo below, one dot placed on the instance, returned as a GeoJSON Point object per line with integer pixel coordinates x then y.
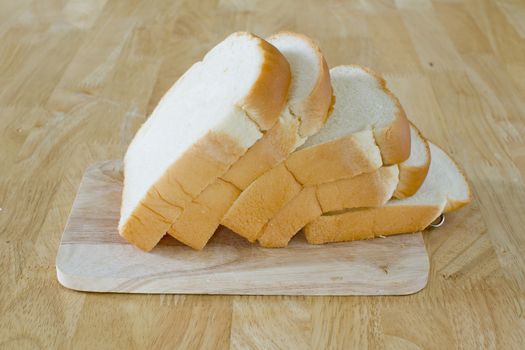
{"type": "Point", "coordinates": [267, 98]}
{"type": "Point", "coordinates": [311, 90]}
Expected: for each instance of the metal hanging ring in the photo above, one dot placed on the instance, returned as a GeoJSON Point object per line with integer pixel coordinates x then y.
{"type": "Point", "coordinates": [439, 221]}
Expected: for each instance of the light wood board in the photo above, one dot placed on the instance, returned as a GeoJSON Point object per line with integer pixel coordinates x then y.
{"type": "Point", "coordinates": [93, 257]}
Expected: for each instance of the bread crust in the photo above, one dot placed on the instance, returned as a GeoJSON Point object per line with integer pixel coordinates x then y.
{"type": "Point", "coordinates": [334, 160]}
{"type": "Point", "coordinates": [208, 158]}
{"type": "Point", "coordinates": [267, 97]}
{"type": "Point", "coordinates": [205, 161]}
{"type": "Point", "coordinates": [313, 109]}
{"type": "Point", "coordinates": [268, 151]}
{"type": "Point", "coordinates": [412, 177]}
{"type": "Point", "coordinates": [302, 209]}
{"type": "Point", "coordinates": [202, 216]}
{"type": "Point", "coordinates": [393, 140]}
{"type": "Point", "coordinates": [261, 201]}
{"type": "Point", "coordinates": [456, 204]}
{"type": "Point", "coordinates": [365, 190]}
{"type": "Point", "coordinates": [371, 222]}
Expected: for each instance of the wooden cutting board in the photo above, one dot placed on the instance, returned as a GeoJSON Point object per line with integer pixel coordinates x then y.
{"type": "Point", "coordinates": [93, 257]}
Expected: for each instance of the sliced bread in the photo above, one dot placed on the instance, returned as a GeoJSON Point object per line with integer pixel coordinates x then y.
{"type": "Point", "coordinates": [413, 171]}
{"type": "Point", "coordinates": [203, 124]}
{"type": "Point", "coordinates": [309, 101]}
{"type": "Point", "coordinates": [367, 128]}
{"type": "Point", "coordinates": [444, 189]}
{"type": "Point", "coordinates": [364, 190]}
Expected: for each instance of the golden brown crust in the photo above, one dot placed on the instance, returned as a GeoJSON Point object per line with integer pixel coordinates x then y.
{"type": "Point", "coordinates": [302, 209]}
{"type": "Point", "coordinates": [412, 177]}
{"type": "Point", "coordinates": [365, 190]}
{"type": "Point", "coordinates": [338, 159]}
{"type": "Point", "coordinates": [370, 222]}
{"type": "Point", "coordinates": [394, 140]}
{"type": "Point", "coordinates": [206, 160]}
{"type": "Point", "coordinates": [149, 221]}
{"type": "Point", "coordinates": [202, 216]}
{"type": "Point", "coordinates": [261, 201]}
{"type": "Point", "coordinates": [314, 109]}
{"type": "Point", "coordinates": [143, 221]}
{"type": "Point", "coordinates": [267, 98]}
{"type": "Point", "coordinates": [455, 204]}
{"type": "Point", "coordinates": [410, 180]}
{"type": "Point", "coordinates": [267, 152]}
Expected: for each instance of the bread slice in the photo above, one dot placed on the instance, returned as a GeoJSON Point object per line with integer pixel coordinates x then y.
{"type": "Point", "coordinates": [203, 124]}
{"type": "Point", "coordinates": [365, 190]}
{"type": "Point", "coordinates": [444, 189]}
{"type": "Point", "coordinates": [368, 128]}
{"type": "Point", "coordinates": [413, 171]}
{"type": "Point", "coordinates": [310, 98]}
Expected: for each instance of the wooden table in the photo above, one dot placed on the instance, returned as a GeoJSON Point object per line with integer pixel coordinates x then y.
{"type": "Point", "coordinates": [77, 78]}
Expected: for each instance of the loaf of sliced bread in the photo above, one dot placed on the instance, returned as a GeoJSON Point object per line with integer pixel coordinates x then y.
{"type": "Point", "coordinates": [309, 101]}
{"type": "Point", "coordinates": [364, 190]}
{"type": "Point", "coordinates": [444, 189]}
{"type": "Point", "coordinates": [208, 119]}
{"type": "Point", "coordinates": [367, 128]}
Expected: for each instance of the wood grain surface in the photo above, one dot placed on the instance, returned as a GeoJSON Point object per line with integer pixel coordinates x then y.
{"type": "Point", "coordinates": [78, 77]}
{"type": "Point", "coordinates": [94, 257]}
